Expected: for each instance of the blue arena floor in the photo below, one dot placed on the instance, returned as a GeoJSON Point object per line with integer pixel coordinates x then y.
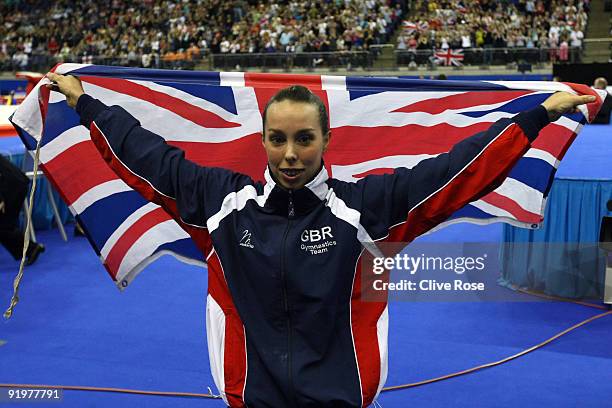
{"type": "Point", "coordinates": [73, 327]}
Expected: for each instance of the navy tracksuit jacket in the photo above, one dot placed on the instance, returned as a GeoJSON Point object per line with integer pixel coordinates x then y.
{"type": "Point", "coordinates": [286, 325]}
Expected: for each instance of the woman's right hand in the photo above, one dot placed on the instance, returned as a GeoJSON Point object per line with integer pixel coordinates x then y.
{"type": "Point", "coordinates": [68, 85]}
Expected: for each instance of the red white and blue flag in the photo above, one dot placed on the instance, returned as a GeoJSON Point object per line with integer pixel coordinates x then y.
{"type": "Point", "coordinates": [377, 124]}
{"type": "Point", "coordinates": [409, 27]}
{"type": "Point", "coordinates": [449, 57]}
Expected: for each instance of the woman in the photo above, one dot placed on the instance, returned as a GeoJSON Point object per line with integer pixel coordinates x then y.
{"type": "Point", "coordinates": [286, 323]}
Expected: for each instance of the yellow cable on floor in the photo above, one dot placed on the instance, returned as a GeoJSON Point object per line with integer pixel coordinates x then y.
{"type": "Point", "coordinates": [26, 238]}
{"type": "Point", "coordinates": [495, 363]}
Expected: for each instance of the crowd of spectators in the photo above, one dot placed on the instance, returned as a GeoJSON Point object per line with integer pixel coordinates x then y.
{"type": "Point", "coordinates": [176, 33]}
{"type": "Point", "coordinates": [555, 25]}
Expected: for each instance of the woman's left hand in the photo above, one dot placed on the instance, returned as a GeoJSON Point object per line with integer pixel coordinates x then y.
{"type": "Point", "coordinates": [561, 103]}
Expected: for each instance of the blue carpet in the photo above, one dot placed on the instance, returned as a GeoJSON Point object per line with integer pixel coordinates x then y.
{"type": "Point", "coordinates": [73, 327]}
{"type": "Point", "coordinates": [589, 156]}
{"type": "Point", "coordinates": [11, 145]}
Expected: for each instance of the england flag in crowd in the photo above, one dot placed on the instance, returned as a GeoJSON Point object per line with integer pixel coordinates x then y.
{"type": "Point", "coordinates": [377, 124]}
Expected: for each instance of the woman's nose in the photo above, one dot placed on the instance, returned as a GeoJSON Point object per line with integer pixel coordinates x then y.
{"type": "Point", "coordinates": [290, 153]}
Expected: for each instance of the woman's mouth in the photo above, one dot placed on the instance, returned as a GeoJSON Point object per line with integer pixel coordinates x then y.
{"type": "Point", "coordinates": [291, 174]}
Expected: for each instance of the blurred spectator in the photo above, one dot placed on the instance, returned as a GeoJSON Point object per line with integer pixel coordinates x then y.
{"type": "Point", "coordinates": [563, 51]}
{"type": "Point", "coordinates": [603, 116]}
{"type": "Point", "coordinates": [600, 83]}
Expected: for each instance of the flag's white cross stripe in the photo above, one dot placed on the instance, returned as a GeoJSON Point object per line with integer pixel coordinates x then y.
{"type": "Point", "coordinates": [97, 193]}
{"type": "Point", "coordinates": [347, 172]}
{"type": "Point", "coordinates": [63, 142]}
{"type": "Point", "coordinates": [147, 243]}
{"type": "Point", "coordinates": [192, 100]}
{"type": "Point", "coordinates": [125, 225]}
{"type": "Point", "coordinates": [528, 198]}
{"type": "Point", "coordinates": [491, 209]}
{"type": "Point", "coordinates": [173, 127]}
{"type": "Point", "coordinates": [525, 196]}
{"type": "Point", "coordinates": [232, 79]}
{"type": "Point", "coordinates": [542, 155]}
{"type": "Point", "coordinates": [376, 110]}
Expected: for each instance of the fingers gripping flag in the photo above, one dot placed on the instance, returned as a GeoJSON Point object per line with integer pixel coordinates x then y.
{"type": "Point", "coordinates": [377, 124]}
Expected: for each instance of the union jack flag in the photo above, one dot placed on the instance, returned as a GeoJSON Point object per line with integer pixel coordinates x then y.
{"type": "Point", "coordinates": [409, 27]}
{"type": "Point", "coordinates": [449, 57]}
{"type": "Point", "coordinates": [377, 124]}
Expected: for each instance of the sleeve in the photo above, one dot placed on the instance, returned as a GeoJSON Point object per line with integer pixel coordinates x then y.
{"type": "Point", "coordinates": [409, 202]}
{"type": "Point", "coordinates": [158, 171]}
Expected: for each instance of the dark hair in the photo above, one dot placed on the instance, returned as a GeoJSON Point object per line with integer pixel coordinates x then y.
{"type": "Point", "coordinates": [299, 93]}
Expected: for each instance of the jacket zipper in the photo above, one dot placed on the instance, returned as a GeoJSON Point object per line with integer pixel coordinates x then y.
{"type": "Point", "coordinates": [290, 216]}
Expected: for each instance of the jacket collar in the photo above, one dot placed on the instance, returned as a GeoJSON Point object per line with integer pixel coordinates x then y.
{"type": "Point", "coordinates": [278, 199]}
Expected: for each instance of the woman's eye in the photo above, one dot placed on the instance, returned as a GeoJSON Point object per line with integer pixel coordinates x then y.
{"type": "Point", "coordinates": [277, 139]}
{"type": "Point", "coordinates": [303, 139]}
